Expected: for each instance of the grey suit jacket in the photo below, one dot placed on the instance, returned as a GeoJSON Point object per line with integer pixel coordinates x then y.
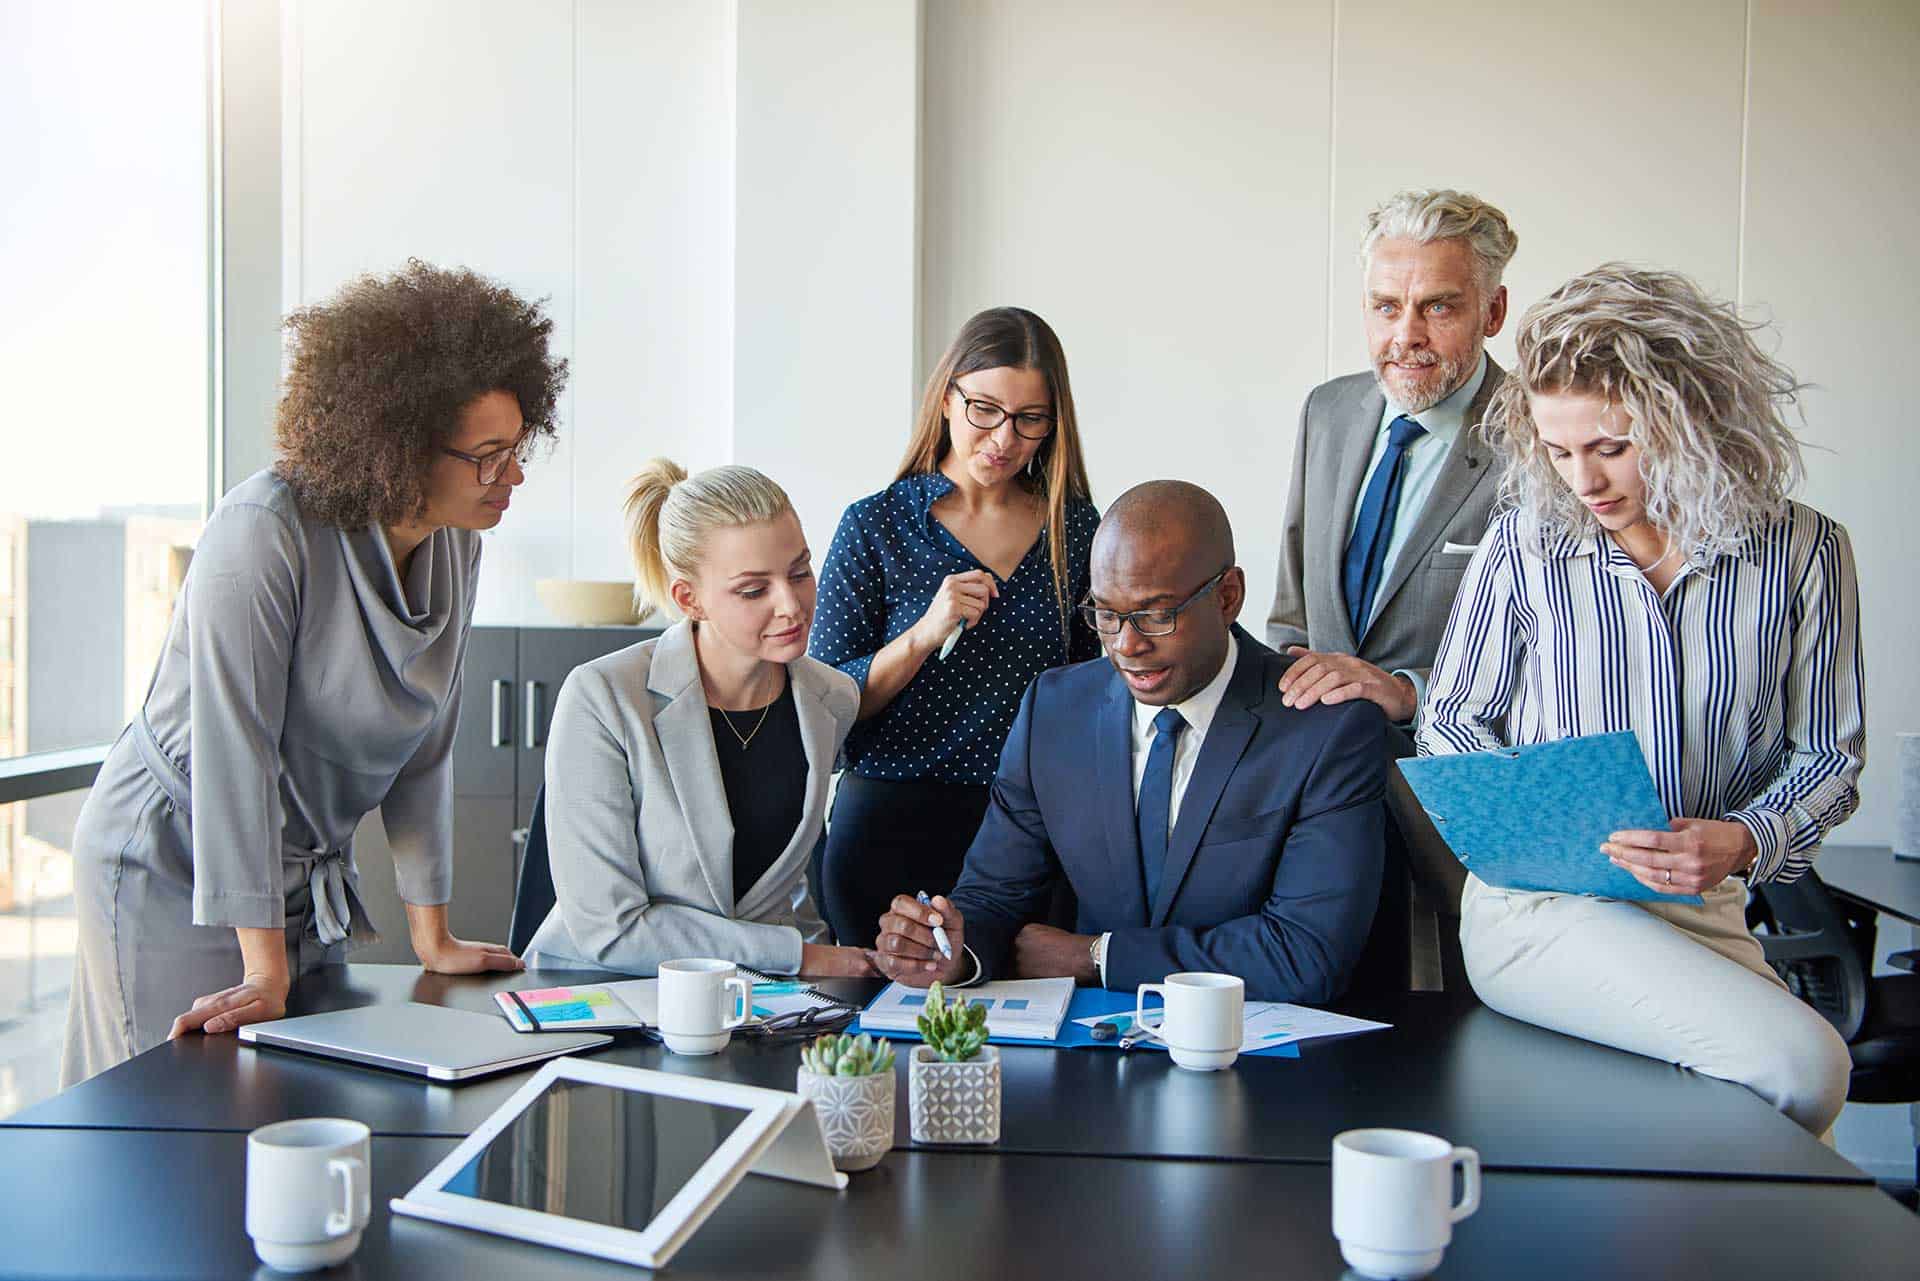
{"type": "Point", "coordinates": [638, 830]}
{"type": "Point", "coordinates": [1337, 427]}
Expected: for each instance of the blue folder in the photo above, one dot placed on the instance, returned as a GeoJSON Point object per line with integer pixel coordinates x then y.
{"type": "Point", "coordinates": [1533, 818]}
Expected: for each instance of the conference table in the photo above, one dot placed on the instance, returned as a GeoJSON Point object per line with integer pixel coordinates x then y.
{"type": "Point", "coordinates": [1872, 877]}
{"type": "Point", "coordinates": [1111, 1163]}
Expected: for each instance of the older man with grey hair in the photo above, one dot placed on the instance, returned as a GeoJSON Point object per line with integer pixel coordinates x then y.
{"type": "Point", "coordinates": [1392, 491]}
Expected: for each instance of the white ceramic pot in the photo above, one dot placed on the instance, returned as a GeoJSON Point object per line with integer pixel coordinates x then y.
{"type": "Point", "coordinates": [856, 1115]}
{"type": "Point", "coordinates": [954, 1102]}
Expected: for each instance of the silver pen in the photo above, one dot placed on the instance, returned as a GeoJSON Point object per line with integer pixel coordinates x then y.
{"type": "Point", "coordinates": [939, 935]}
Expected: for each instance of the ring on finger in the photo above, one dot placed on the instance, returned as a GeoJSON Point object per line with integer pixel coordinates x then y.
{"type": "Point", "coordinates": [1669, 876]}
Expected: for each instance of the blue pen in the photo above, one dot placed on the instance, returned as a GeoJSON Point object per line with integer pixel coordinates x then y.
{"type": "Point", "coordinates": [939, 935]}
{"type": "Point", "coordinates": [780, 989]}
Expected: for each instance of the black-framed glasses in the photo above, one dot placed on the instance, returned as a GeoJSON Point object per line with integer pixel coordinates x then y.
{"type": "Point", "coordinates": [491, 465]}
{"type": "Point", "coordinates": [984, 415]}
{"type": "Point", "coordinates": [1148, 622]}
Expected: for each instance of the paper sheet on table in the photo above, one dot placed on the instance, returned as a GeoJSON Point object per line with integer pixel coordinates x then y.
{"type": "Point", "coordinates": [1267, 1024]}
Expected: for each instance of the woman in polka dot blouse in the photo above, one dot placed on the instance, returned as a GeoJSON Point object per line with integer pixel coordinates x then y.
{"type": "Point", "coordinates": [986, 528]}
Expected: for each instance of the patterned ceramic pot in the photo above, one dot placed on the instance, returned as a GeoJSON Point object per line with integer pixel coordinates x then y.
{"type": "Point", "coordinates": [856, 1115]}
{"type": "Point", "coordinates": [954, 1102]}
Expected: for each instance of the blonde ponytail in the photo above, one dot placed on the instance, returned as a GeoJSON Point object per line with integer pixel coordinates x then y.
{"type": "Point", "coordinates": [670, 515]}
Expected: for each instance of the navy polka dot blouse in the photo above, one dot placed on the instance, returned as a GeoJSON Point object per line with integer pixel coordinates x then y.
{"type": "Point", "coordinates": [888, 559]}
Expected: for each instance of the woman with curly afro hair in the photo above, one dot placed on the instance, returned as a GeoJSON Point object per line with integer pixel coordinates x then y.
{"type": "Point", "coordinates": [312, 673]}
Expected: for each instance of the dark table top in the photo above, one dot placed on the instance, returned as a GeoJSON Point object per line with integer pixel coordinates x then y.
{"type": "Point", "coordinates": [1871, 875]}
{"type": "Point", "coordinates": [104, 1203]}
{"type": "Point", "coordinates": [1526, 1098]}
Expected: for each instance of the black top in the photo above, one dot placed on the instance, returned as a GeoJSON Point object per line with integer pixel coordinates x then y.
{"type": "Point", "coordinates": [766, 783]}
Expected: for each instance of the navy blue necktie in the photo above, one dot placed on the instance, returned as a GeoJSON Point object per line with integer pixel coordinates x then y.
{"type": "Point", "coordinates": [1156, 798]}
{"type": "Point", "coordinates": [1373, 531]}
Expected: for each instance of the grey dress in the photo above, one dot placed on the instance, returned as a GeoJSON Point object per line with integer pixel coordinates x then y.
{"type": "Point", "coordinates": [301, 686]}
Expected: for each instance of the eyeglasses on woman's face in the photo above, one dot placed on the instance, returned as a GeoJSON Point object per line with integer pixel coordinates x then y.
{"type": "Point", "coordinates": [985, 415]}
{"type": "Point", "coordinates": [490, 466]}
{"type": "Point", "coordinates": [1148, 622]}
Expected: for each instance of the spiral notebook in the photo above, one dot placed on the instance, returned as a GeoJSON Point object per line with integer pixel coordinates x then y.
{"type": "Point", "coordinates": [635, 1003]}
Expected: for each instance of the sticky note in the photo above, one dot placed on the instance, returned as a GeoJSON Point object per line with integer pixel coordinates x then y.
{"type": "Point", "coordinates": [568, 1012]}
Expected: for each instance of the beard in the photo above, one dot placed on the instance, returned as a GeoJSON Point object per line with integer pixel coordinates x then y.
{"type": "Point", "coordinates": [1416, 391]}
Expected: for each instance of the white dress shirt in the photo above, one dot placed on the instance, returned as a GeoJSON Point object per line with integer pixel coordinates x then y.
{"type": "Point", "coordinates": [1198, 712]}
{"type": "Point", "coordinates": [1425, 459]}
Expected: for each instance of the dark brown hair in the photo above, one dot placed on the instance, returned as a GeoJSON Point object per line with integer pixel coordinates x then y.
{"type": "Point", "coordinates": [1012, 338]}
{"type": "Point", "coordinates": [379, 375]}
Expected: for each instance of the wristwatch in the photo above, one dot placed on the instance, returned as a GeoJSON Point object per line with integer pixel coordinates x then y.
{"type": "Point", "coordinates": [1097, 949]}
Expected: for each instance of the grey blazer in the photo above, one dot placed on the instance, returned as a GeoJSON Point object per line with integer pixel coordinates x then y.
{"type": "Point", "coordinates": [1337, 428]}
{"type": "Point", "coordinates": [638, 831]}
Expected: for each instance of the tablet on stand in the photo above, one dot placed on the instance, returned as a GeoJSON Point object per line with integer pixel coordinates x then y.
{"type": "Point", "coordinates": [619, 1162]}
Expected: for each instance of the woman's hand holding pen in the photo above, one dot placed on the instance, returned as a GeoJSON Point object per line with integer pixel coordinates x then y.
{"type": "Point", "coordinates": [906, 950]}
{"type": "Point", "coordinates": [962, 598]}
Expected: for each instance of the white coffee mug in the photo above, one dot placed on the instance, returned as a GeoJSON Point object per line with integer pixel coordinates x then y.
{"type": "Point", "coordinates": [1393, 1207]}
{"type": "Point", "coordinates": [1203, 1021]}
{"type": "Point", "coordinates": [309, 1191]}
{"type": "Point", "coordinates": [701, 1001]}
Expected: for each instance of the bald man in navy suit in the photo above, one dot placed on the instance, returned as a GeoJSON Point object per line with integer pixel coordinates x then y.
{"type": "Point", "coordinates": [1202, 824]}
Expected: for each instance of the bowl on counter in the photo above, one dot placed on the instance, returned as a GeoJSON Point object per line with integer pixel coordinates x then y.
{"type": "Point", "coordinates": [587, 602]}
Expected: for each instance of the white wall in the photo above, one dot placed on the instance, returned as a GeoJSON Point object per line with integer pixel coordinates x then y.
{"type": "Point", "coordinates": [578, 152]}
{"type": "Point", "coordinates": [1157, 181]}
{"type": "Point", "coordinates": [759, 224]}
{"type": "Point", "coordinates": [828, 135]}
{"type": "Point", "coordinates": [1153, 183]}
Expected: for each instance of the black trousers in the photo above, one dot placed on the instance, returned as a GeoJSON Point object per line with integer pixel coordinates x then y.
{"type": "Point", "coordinates": [889, 837]}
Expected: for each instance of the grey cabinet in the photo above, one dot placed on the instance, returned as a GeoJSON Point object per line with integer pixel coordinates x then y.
{"type": "Point", "coordinates": [499, 759]}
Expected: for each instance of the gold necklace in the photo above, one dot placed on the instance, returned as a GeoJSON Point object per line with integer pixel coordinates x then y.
{"type": "Point", "coordinates": [725, 716]}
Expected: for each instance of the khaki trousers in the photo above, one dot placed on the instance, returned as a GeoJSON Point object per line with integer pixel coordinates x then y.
{"type": "Point", "coordinates": [1673, 981]}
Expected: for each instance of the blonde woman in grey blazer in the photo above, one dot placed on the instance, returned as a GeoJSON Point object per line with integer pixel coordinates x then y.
{"type": "Point", "coordinates": [687, 775]}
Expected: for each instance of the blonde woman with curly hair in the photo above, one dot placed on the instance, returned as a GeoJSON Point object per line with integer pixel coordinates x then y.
{"type": "Point", "coordinates": [1651, 574]}
{"type": "Point", "coordinates": [687, 775]}
{"type": "Point", "coordinates": [312, 674]}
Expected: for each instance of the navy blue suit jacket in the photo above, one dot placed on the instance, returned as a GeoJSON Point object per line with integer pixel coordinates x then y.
{"type": "Point", "coordinates": [1273, 869]}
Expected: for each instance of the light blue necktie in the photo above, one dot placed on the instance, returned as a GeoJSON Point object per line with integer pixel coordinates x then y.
{"type": "Point", "coordinates": [1156, 799]}
{"type": "Point", "coordinates": [1373, 531]}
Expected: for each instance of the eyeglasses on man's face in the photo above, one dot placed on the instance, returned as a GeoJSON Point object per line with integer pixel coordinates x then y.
{"type": "Point", "coordinates": [490, 466]}
{"type": "Point", "coordinates": [1148, 622]}
{"type": "Point", "coordinates": [984, 415]}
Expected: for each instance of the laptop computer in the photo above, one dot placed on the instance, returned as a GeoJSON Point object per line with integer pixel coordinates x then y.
{"type": "Point", "coordinates": [425, 1040]}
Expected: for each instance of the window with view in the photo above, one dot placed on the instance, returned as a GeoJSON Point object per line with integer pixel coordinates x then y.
{"type": "Point", "coordinates": [105, 355]}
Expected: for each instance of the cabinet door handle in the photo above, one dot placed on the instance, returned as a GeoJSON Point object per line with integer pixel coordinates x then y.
{"type": "Point", "coordinates": [502, 735]}
{"type": "Point", "coordinates": [532, 713]}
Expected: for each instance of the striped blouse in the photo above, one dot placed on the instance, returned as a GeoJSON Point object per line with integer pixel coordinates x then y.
{"type": "Point", "coordinates": [1742, 682]}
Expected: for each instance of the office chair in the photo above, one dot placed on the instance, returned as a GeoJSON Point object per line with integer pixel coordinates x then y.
{"type": "Point", "coordinates": [533, 891]}
{"type": "Point", "coordinates": [1825, 954]}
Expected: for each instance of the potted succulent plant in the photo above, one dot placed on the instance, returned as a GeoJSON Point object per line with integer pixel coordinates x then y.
{"type": "Point", "coordinates": [850, 1080]}
{"type": "Point", "coordinates": [954, 1078]}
